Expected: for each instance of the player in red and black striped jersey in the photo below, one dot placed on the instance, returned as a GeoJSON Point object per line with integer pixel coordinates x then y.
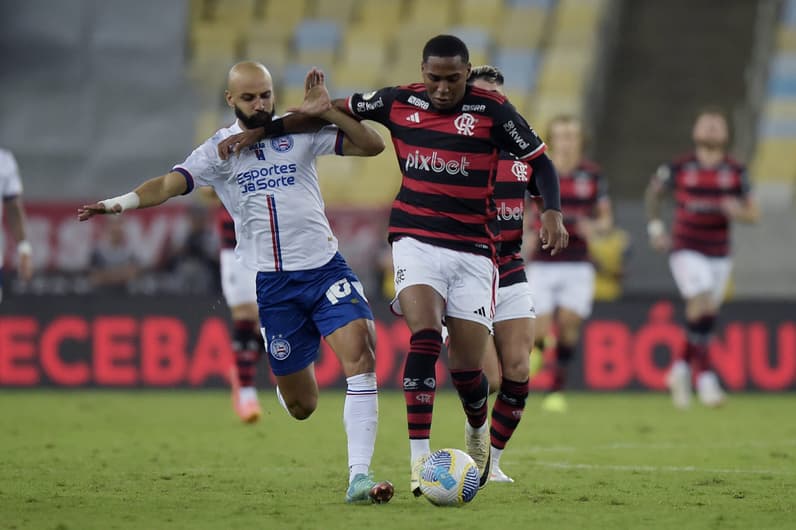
{"type": "Point", "coordinates": [506, 360]}
{"type": "Point", "coordinates": [238, 285]}
{"type": "Point", "coordinates": [443, 227]}
{"type": "Point", "coordinates": [563, 284]}
{"type": "Point", "coordinates": [711, 190]}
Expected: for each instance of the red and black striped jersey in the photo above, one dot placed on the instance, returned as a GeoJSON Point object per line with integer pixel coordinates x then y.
{"type": "Point", "coordinates": [699, 221]}
{"type": "Point", "coordinates": [581, 190]}
{"type": "Point", "coordinates": [226, 228]}
{"type": "Point", "coordinates": [513, 176]}
{"type": "Point", "coordinates": [448, 160]}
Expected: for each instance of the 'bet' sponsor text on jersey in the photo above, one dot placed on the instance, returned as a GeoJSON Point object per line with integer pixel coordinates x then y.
{"type": "Point", "coordinates": [507, 213]}
{"type": "Point", "coordinates": [436, 163]}
{"type": "Point", "coordinates": [265, 178]}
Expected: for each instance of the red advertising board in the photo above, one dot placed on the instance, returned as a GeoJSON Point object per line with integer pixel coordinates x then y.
{"type": "Point", "coordinates": [61, 243]}
{"type": "Point", "coordinates": [184, 342]}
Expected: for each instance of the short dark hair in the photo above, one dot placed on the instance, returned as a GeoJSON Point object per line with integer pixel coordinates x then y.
{"type": "Point", "coordinates": [488, 73]}
{"type": "Point", "coordinates": [446, 46]}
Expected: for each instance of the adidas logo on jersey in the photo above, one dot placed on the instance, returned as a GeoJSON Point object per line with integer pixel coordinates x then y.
{"type": "Point", "coordinates": [414, 117]}
{"type": "Point", "coordinates": [480, 311]}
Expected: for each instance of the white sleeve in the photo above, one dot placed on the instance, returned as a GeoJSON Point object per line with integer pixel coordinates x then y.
{"type": "Point", "coordinates": [10, 183]}
{"type": "Point", "coordinates": [202, 167]}
{"type": "Point", "coordinates": [328, 141]}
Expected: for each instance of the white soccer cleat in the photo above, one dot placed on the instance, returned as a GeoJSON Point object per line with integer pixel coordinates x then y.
{"type": "Point", "coordinates": [709, 390]}
{"type": "Point", "coordinates": [679, 382]}
{"type": "Point", "coordinates": [414, 478]}
{"type": "Point", "coordinates": [479, 449]}
{"type": "Point", "coordinates": [497, 475]}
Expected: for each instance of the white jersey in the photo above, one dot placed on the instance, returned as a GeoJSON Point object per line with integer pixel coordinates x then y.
{"type": "Point", "coordinates": [10, 187]}
{"type": "Point", "coordinates": [272, 193]}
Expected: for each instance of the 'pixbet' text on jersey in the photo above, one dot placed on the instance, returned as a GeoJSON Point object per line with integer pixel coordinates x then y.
{"type": "Point", "coordinates": [436, 163]}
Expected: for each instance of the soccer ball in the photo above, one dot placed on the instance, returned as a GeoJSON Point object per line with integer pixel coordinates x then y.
{"type": "Point", "coordinates": [449, 478]}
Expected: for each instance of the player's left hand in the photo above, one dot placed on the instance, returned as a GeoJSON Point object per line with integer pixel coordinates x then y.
{"type": "Point", "coordinates": [316, 98]}
{"type": "Point", "coordinates": [234, 144]}
{"type": "Point", "coordinates": [553, 234]}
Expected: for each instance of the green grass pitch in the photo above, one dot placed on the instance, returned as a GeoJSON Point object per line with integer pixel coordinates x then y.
{"type": "Point", "coordinates": [179, 459]}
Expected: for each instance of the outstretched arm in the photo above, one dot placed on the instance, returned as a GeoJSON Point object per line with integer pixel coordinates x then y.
{"type": "Point", "coordinates": [360, 139]}
{"type": "Point", "coordinates": [151, 193]}
{"type": "Point", "coordinates": [290, 124]}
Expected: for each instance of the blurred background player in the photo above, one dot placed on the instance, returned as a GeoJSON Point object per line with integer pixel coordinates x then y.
{"type": "Point", "coordinates": [193, 260]}
{"type": "Point", "coordinates": [305, 289]}
{"type": "Point", "coordinates": [563, 284]}
{"type": "Point", "coordinates": [506, 359]}
{"type": "Point", "coordinates": [11, 201]}
{"type": "Point", "coordinates": [114, 265]}
{"type": "Point", "coordinates": [239, 286]}
{"type": "Point", "coordinates": [711, 190]}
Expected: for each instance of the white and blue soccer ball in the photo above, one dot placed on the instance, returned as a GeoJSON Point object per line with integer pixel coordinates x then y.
{"type": "Point", "coordinates": [449, 478]}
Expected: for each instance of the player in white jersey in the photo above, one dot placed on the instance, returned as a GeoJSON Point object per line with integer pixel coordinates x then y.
{"type": "Point", "coordinates": [305, 289]}
{"type": "Point", "coordinates": [11, 195]}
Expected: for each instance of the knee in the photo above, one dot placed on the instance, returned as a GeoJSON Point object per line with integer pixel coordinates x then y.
{"type": "Point", "coordinates": [516, 368]}
{"type": "Point", "coordinates": [301, 410]}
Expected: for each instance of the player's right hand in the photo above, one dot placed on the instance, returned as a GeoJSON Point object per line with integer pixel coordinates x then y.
{"type": "Point", "coordinates": [87, 211]}
{"type": "Point", "coordinates": [237, 142]}
{"type": "Point", "coordinates": [553, 234]}
{"type": "Point", "coordinates": [316, 97]}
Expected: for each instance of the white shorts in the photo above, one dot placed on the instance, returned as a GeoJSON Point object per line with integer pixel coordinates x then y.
{"type": "Point", "coordinates": [514, 301]}
{"type": "Point", "coordinates": [562, 284]}
{"type": "Point", "coordinates": [695, 273]}
{"type": "Point", "coordinates": [238, 283]}
{"type": "Point", "coordinates": [467, 282]}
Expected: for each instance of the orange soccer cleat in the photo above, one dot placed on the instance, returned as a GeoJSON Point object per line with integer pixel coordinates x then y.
{"type": "Point", "coordinates": [247, 407]}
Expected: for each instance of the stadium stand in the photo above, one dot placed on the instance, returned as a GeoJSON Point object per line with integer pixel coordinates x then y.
{"type": "Point", "coordinates": [82, 100]}
{"type": "Point", "coordinates": [774, 165]}
{"type": "Point", "coordinates": [544, 46]}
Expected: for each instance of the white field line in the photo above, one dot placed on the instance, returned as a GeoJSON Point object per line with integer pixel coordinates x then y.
{"type": "Point", "coordinates": [657, 469]}
{"type": "Point", "coordinates": [614, 446]}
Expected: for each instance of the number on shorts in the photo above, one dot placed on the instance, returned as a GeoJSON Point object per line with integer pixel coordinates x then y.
{"type": "Point", "coordinates": [339, 290]}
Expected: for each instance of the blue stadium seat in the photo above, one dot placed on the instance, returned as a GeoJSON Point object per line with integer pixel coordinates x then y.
{"type": "Point", "coordinates": [784, 65]}
{"type": "Point", "coordinates": [544, 4]}
{"type": "Point", "coordinates": [475, 38]}
{"type": "Point", "coordinates": [778, 128]}
{"type": "Point", "coordinates": [789, 13]}
{"type": "Point", "coordinates": [782, 86]}
{"type": "Point", "coordinates": [519, 67]}
{"type": "Point", "coordinates": [294, 74]}
{"type": "Point", "coordinates": [317, 34]}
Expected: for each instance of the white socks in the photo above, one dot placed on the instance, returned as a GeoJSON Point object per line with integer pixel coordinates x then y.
{"type": "Point", "coordinates": [247, 393]}
{"type": "Point", "coordinates": [496, 453]}
{"type": "Point", "coordinates": [418, 448]}
{"type": "Point", "coordinates": [361, 419]}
